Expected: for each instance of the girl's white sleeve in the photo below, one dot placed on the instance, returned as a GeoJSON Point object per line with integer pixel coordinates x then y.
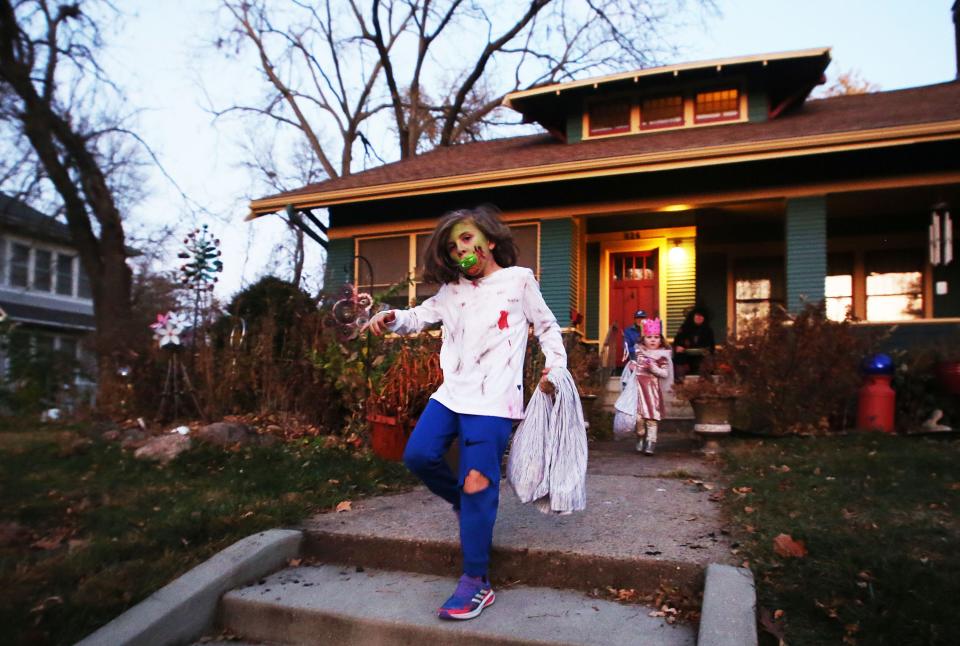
{"type": "Point", "coordinates": [416, 318]}
{"type": "Point", "coordinates": [544, 323]}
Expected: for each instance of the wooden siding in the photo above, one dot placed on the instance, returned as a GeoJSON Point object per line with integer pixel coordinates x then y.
{"type": "Point", "coordinates": [339, 267]}
{"type": "Point", "coordinates": [556, 251]}
{"type": "Point", "coordinates": [681, 284]}
{"type": "Point", "coordinates": [758, 106]}
{"type": "Point", "coordinates": [592, 313]}
{"type": "Point", "coordinates": [806, 237]}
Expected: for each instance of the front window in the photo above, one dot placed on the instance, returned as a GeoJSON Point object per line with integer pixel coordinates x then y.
{"type": "Point", "coordinates": [719, 105]}
{"type": "Point", "coordinates": [758, 288]}
{"type": "Point", "coordinates": [661, 112]}
{"type": "Point", "coordinates": [19, 265]}
{"type": "Point", "coordinates": [390, 264]}
{"type": "Point", "coordinates": [42, 261]}
{"type": "Point", "coordinates": [894, 285]}
{"type": "Point", "coordinates": [838, 287]}
{"type": "Point", "coordinates": [609, 117]}
{"type": "Point", "coordinates": [65, 275]}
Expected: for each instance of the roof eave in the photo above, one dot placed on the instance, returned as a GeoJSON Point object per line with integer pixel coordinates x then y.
{"type": "Point", "coordinates": [623, 164]}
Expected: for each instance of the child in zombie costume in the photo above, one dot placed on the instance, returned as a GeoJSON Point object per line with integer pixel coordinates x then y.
{"type": "Point", "coordinates": [485, 304]}
{"type": "Point", "coordinates": [651, 365]}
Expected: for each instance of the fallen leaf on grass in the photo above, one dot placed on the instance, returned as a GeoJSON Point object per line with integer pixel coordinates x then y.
{"type": "Point", "coordinates": [294, 562]}
{"type": "Point", "coordinates": [47, 603]}
{"type": "Point", "coordinates": [742, 490]}
{"type": "Point", "coordinates": [346, 505]}
{"type": "Point", "coordinates": [777, 614]}
{"type": "Point", "coordinates": [786, 546]}
{"type": "Point", "coordinates": [772, 625]}
{"type": "Point", "coordinates": [53, 541]}
{"type": "Point", "coordinates": [246, 515]}
{"type": "Point", "coordinates": [748, 510]}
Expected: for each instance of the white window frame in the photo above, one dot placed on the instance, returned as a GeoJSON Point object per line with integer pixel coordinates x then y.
{"type": "Point", "coordinates": [6, 256]}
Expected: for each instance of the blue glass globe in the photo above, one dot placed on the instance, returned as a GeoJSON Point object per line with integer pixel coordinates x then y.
{"type": "Point", "coordinates": [877, 364]}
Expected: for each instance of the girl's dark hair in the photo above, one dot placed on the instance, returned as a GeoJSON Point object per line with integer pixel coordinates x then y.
{"type": "Point", "coordinates": [439, 268]}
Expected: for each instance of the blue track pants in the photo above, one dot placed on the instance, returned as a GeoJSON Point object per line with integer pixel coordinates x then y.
{"type": "Point", "coordinates": [483, 440]}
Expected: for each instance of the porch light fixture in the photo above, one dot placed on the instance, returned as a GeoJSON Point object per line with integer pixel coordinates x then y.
{"type": "Point", "coordinates": [941, 235]}
{"type": "Point", "coordinates": [677, 254]}
{"type": "Point", "coordinates": [675, 208]}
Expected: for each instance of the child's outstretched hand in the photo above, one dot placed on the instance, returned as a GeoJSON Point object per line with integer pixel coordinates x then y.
{"type": "Point", "coordinates": [545, 384]}
{"type": "Point", "coordinates": [378, 324]}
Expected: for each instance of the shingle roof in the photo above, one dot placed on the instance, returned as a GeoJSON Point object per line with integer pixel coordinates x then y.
{"type": "Point", "coordinates": [845, 114]}
{"type": "Point", "coordinates": [18, 216]}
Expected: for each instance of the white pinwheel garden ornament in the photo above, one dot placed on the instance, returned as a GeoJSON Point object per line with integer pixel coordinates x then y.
{"type": "Point", "coordinates": [168, 328]}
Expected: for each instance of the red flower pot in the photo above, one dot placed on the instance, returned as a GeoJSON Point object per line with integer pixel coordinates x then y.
{"type": "Point", "coordinates": [949, 374]}
{"type": "Point", "coordinates": [388, 436]}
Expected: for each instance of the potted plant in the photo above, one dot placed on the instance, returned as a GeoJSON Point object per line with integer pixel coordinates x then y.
{"type": "Point", "coordinates": [588, 373]}
{"type": "Point", "coordinates": [712, 397]}
{"type": "Point", "coordinates": [405, 388]}
{"type": "Point", "coordinates": [948, 365]}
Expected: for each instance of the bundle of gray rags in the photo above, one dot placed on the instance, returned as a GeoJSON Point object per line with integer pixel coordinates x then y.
{"type": "Point", "coordinates": [548, 457]}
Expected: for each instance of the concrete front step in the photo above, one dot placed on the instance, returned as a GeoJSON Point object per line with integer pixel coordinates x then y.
{"type": "Point", "coordinates": [331, 604]}
{"type": "Point", "coordinates": [618, 541]}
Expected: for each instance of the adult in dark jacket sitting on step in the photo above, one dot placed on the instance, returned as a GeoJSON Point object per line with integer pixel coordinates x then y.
{"type": "Point", "coordinates": [694, 339]}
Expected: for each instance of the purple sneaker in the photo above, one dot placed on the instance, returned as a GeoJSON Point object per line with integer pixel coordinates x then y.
{"type": "Point", "coordinates": [472, 595]}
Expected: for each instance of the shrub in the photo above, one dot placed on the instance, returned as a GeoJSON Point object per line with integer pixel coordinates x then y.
{"type": "Point", "coordinates": [798, 372]}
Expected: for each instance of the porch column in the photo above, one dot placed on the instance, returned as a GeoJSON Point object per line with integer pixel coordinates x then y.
{"type": "Point", "coordinates": [806, 234]}
{"type": "Point", "coordinates": [339, 266]}
{"type": "Point", "coordinates": [556, 250]}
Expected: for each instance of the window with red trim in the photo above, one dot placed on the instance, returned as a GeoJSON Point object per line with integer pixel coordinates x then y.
{"type": "Point", "coordinates": [608, 117]}
{"type": "Point", "coordinates": [717, 105]}
{"type": "Point", "coordinates": [661, 112]}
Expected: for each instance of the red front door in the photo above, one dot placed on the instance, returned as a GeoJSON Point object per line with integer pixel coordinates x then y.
{"type": "Point", "coordinates": [633, 286]}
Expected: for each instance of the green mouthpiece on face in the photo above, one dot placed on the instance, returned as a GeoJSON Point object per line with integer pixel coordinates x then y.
{"type": "Point", "coordinates": [468, 261]}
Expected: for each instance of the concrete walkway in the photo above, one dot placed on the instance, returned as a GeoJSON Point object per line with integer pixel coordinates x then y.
{"type": "Point", "coordinates": [647, 524]}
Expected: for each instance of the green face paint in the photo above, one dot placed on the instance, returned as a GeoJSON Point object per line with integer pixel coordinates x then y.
{"type": "Point", "coordinates": [467, 234]}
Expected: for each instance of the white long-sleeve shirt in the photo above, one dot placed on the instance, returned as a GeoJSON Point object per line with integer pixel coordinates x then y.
{"type": "Point", "coordinates": [485, 325]}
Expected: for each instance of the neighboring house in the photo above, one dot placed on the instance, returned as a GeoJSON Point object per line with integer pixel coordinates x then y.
{"type": "Point", "coordinates": [44, 290]}
{"type": "Point", "coordinates": [716, 182]}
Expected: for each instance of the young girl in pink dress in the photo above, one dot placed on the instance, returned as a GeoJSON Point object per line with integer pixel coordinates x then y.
{"type": "Point", "coordinates": [651, 365]}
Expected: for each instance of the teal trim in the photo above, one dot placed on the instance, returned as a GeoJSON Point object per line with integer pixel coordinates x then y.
{"type": "Point", "coordinates": [339, 267]}
{"type": "Point", "coordinates": [592, 306]}
{"type": "Point", "coordinates": [556, 250]}
{"type": "Point", "coordinates": [574, 127]}
{"type": "Point", "coordinates": [806, 250]}
{"type": "Point", "coordinates": [758, 106]}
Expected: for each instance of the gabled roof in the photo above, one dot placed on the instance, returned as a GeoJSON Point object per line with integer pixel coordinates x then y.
{"type": "Point", "coordinates": [784, 77]}
{"type": "Point", "coordinates": [819, 126]}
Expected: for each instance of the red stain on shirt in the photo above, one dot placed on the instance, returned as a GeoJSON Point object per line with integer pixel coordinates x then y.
{"type": "Point", "coordinates": [502, 323]}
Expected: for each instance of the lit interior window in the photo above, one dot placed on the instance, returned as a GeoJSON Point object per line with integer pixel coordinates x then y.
{"type": "Point", "coordinates": [720, 105]}
{"type": "Point", "coordinates": [894, 285]}
{"type": "Point", "coordinates": [838, 293]}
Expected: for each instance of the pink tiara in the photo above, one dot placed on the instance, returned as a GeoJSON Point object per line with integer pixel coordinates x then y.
{"type": "Point", "coordinates": [651, 327]}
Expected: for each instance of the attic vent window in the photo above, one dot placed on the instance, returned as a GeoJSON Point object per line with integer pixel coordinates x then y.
{"type": "Point", "coordinates": [610, 117]}
{"type": "Point", "coordinates": [720, 105]}
{"type": "Point", "coordinates": [661, 112]}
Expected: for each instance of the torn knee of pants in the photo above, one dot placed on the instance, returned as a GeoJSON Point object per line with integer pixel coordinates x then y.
{"type": "Point", "coordinates": [475, 482]}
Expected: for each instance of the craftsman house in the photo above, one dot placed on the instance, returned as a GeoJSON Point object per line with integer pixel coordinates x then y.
{"type": "Point", "coordinates": [720, 183]}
